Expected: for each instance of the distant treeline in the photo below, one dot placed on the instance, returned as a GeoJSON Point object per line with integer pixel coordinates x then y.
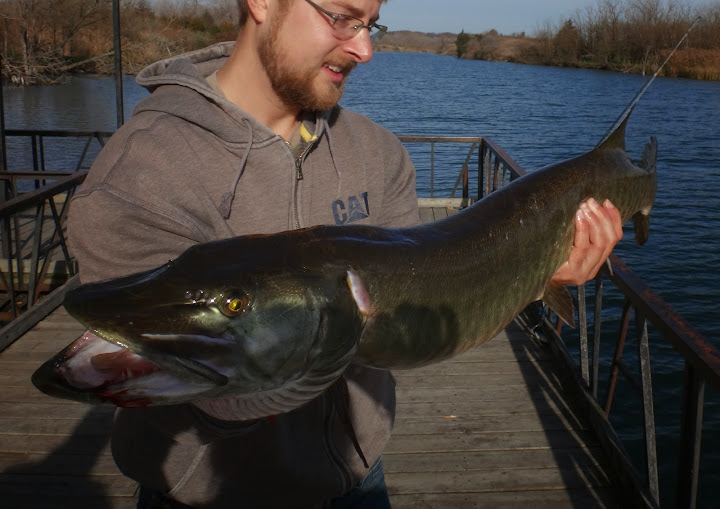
{"type": "Point", "coordinates": [619, 35]}
{"type": "Point", "coordinates": [46, 39]}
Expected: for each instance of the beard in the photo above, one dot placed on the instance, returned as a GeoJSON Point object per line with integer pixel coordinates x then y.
{"type": "Point", "coordinates": [295, 84]}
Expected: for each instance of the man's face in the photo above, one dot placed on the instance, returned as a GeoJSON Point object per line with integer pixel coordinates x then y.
{"type": "Point", "coordinates": [306, 63]}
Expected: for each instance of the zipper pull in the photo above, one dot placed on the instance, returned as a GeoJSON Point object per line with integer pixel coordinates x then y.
{"type": "Point", "coordinates": [298, 168]}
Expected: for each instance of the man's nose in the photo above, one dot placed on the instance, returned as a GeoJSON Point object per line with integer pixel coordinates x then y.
{"type": "Point", "coordinates": [360, 47]}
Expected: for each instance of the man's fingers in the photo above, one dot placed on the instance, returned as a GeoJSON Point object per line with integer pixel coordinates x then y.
{"type": "Point", "coordinates": [597, 230]}
{"type": "Point", "coordinates": [604, 230]}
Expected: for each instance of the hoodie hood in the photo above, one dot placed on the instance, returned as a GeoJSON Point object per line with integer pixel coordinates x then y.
{"type": "Point", "coordinates": [190, 71]}
{"type": "Point", "coordinates": [179, 87]}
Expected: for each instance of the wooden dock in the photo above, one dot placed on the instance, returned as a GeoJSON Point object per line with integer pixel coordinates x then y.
{"type": "Point", "coordinates": [490, 428]}
{"type": "Point", "coordinates": [493, 428]}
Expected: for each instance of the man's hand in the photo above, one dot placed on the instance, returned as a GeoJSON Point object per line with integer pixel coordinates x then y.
{"type": "Point", "coordinates": [597, 230]}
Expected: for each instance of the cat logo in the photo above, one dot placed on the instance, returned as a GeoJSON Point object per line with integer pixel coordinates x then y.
{"type": "Point", "coordinates": [357, 208]}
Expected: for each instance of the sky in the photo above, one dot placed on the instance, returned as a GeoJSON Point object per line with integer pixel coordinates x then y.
{"type": "Point", "coordinates": [477, 16]}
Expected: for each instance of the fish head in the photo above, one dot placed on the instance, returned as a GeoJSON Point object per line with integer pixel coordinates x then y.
{"type": "Point", "coordinates": [202, 327]}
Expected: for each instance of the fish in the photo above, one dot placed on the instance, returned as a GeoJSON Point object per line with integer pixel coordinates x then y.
{"type": "Point", "coordinates": [273, 320]}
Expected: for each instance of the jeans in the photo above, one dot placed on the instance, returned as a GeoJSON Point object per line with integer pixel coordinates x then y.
{"type": "Point", "coordinates": [370, 493]}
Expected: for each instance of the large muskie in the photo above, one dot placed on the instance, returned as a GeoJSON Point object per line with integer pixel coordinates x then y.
{"type": "Point", "coordinates": [275, 319]}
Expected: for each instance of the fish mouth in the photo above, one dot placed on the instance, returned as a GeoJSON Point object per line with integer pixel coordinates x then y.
{"type": "Point", "coordinates": [98, 369]}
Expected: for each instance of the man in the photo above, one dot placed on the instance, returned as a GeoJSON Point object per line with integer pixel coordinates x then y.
{"type": "Point", "coordinates": [248, 138]}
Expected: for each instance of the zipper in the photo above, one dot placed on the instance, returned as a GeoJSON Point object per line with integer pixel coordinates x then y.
{"type": "Point", "coordinates": [298, 168]}
{"type": "Point", "coordinates": [296, 188]}
{"type": "Point", "coordinates": [296, 184]}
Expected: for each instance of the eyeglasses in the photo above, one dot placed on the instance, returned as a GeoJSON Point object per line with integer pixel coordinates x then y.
{"type": "Point", "coordinates": [346, 27]}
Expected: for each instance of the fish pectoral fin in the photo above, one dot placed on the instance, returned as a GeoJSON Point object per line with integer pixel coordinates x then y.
{"type": "Point", "coordinates": [558, 298]}
{"type": "Point", "coordinates": [359, 292]}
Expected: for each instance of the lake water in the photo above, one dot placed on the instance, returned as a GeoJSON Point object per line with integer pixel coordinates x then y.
{"type": "Point", "coordinates": [538, 115]}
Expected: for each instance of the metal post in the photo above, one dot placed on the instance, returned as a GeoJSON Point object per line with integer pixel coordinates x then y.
{"type": "Point", "coordinates": [690, 439]}
{"type": "Point", "coordinates": [3, 149]}
{"type": "Point", "coordinates": [597, 333]}
{"type": "Point", "coordinates": [648, 406]}
{"type": "Point", "coordinates": [118, 64]}
{"type": "Point", "coordinates": [5, 191]}
{"type": "Point", "coordinates": [582, 319]}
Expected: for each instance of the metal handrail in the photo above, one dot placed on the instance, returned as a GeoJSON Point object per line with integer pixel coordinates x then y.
{"type": "Point", "coordinates": [33, 236]}
{"type": "Point", "coordinates": [702, 359]}
{"type": "Point", "coordinates": [463, 175]}
{"type": "Point", "coordinates": [37, 142]}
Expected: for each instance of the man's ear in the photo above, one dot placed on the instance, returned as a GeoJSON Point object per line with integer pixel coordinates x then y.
{"type": "Point", "coordinates": [258, 9]}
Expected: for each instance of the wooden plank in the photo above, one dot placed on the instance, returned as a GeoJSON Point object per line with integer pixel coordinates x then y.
{"type": "Point", "coordinates": [489, 423]}
{"type": "Point", "coordinates": [462, 409]}
{"type": "Point", "coordinates": [498, 441]}
{"type": "Point", "coordinates": [46, 501]}
{"type": "Point", "coordinates": [66, 486]}
{"type": "Point", "coordinates": [44, 444]}
{"type": "Point", "coordinates": [426, 215]}
{"type": "Point", "coordinates": [515, 479]}
{"type": "Point", "coordinates": [440, 213]}
{"type": "Point", "coordinates": [68, 464]}
{"type": "Point", "coordinates": [544, 499]}
{"type": "Point", "coordinates": [493, 460]}
{"type": "Point", "coordinates": [493, 393]}
{"type": "Point", "coordinates": [12, 331]}
{"type": "Point", "coordinates": [92, 423]}
{"type": "Point", "coordinates": [51, 408]}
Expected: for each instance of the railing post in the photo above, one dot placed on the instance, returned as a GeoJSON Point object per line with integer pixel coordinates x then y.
{"type": "Point", "coordinates": [35, 258]}
{"type": "Point", "coordinates": [617, 356]}
{"type": "Point", "coordinates": [690, 439]}
{"type": "Point", "coordinates": [597, 330]}
{"type": "Point", "coordinates": [432, 169]}
{"type": "Point", "coordinates": [5, 192]}
{"type": "Point", "coordinates": [117, 48]}
{"type": "Point", "coordinates": [582, 319]}
{"type": "Point", "coordinates": [466, 182]}
{"type": "Point", "coordinates": [648, 406]}
{"type": "Point", "coordinates": [481, 166]}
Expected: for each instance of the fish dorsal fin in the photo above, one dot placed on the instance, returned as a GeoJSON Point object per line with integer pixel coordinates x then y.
{"type": "Point", "coordinates": [558, 298]}
{"type": "Point", "coordinates": [616, 138]}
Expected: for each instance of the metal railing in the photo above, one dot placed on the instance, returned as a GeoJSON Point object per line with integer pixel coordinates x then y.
{"type": "Point", "coordinates": [35, 258]}
{"type": "Point", "coordinates": [701, 359]}
{"type": "Point", "coordinates": [463, 178]}
{"type": "Point", "coordinates": [38, 137]}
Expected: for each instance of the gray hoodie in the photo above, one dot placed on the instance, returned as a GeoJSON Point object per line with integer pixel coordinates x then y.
{"type": "Point", "coordinates": [192, 167]}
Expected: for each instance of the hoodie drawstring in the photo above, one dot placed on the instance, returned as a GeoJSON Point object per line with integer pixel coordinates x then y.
{"type": "Point", "coordinates": [229, 196]}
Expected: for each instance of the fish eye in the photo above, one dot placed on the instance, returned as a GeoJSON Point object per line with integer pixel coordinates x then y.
{"type": "Point", "coordinates": [233, 305]}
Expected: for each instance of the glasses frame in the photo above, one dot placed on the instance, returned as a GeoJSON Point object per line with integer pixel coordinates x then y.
{"type": "Point", "coordinates": [335, 17]}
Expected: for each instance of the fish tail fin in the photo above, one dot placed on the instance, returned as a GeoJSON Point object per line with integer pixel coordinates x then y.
{"type": "Point", "coordinates": [641, 225]}
{"type": "Point", "coordinates": [558, 298]}
{"type": "Point", "coordinates": [641, 219]}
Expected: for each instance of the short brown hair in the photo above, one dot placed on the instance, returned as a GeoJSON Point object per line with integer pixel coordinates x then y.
{"type": "Point", "coordinates": [244, 11]}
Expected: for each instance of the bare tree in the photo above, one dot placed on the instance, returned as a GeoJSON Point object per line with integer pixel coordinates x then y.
{"type": "Point", "coordinates": [43, 29]}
